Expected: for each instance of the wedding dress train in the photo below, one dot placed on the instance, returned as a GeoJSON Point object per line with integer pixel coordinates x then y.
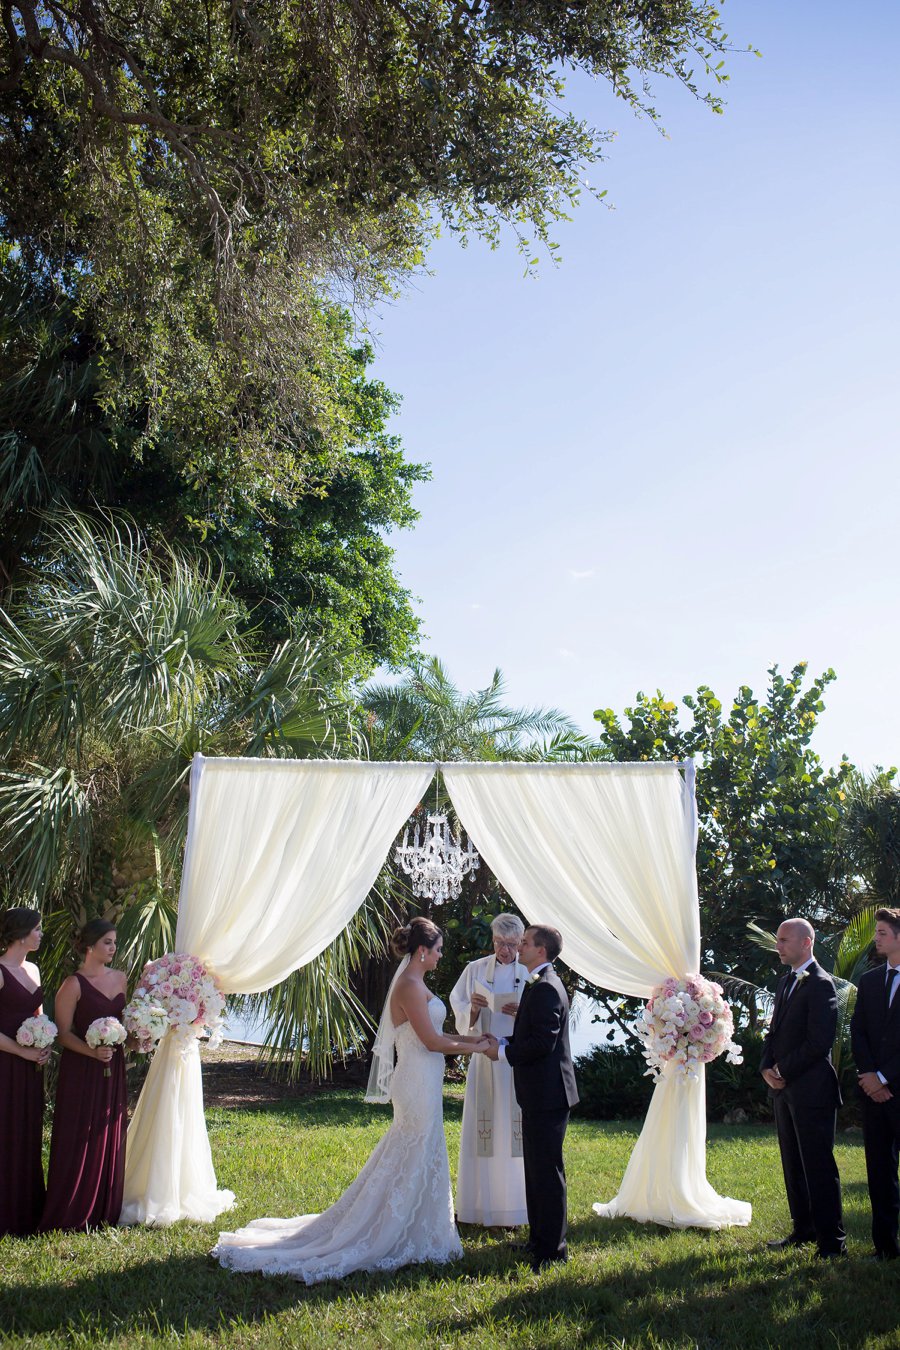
{"type": "Point", "coordinates": [397, 1212]}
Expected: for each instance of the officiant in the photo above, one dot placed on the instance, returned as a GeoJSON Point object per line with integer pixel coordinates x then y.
{"type": "Point", "coordinates": [490, 1186]}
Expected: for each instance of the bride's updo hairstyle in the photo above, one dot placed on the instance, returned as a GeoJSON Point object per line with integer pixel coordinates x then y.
{"type": "Point", "coordinates": [417, 933]}
{"type": "Point", "coordinates": [16, 924]}
{"type": "Point", "coordinates": [92, 932]}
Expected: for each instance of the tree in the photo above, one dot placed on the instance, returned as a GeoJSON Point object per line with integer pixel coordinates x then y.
{"type": "Point", "coordinates": [310, 543]}
{"type": "Point", "coordinates": [870, 838]}
{"type": "Point", "coordinates": [116, 666]}
{"type": "Point", "coordinates": [769, 812]}
{"type": "Point", "coordinates": [218, 169]}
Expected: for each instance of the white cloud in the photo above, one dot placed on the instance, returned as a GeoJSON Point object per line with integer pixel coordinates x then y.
{"type": "Point", "coordinates": [581, 576]}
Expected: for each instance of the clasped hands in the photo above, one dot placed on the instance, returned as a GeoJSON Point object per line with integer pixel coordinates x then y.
{"type": "Point", "coordinates": [873, 1087]}
{"type": "Point", "coordinates": [774, 1079]}
{"type": "Point", "coordinates": [488, 1045]}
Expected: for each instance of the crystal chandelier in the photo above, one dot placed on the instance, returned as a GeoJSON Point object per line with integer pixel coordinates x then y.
{"type": "Point", "coordinates": [437, 865]}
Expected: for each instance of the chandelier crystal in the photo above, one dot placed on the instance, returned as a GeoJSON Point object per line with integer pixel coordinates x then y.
{"type": "Point", "coordinates": [437, 865]}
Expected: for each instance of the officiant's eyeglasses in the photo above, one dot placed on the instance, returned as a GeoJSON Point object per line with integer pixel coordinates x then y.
{"type": "Point", "coordinates": [507, 942]}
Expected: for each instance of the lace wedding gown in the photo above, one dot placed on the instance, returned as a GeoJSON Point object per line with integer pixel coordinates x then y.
{"type": "Point", "coordinates": [398, 1211]}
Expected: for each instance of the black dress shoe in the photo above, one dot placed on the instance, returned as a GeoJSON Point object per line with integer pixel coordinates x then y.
{"type": "Point", "coordinates": [538, 1266]}
{"type": "Point", "coordinates": [792, 1240]}
{"type": "Point", "coordinates": [885, 1256]}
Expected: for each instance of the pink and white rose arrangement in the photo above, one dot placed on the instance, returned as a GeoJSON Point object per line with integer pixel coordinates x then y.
{"type": "Point", "coordinates": [37, 1031]}
{"type": "Point", "coordinates": [686, 1023]}
{"type": "Point", "coordinates": [105, 1031]}
{"type": "Point", "coordinates": [178, 993]}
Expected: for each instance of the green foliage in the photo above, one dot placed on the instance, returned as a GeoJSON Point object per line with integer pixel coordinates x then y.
{"type": "Point", "coordinates": [306, 540]}
{"type": "Point", "coordinates": [115, 668]}
{"type": "Point", "coordinates": [769, 812]}
{"type": "Point", "coordinates": [222, 162]}
{"type": "Point", "coordinates": [613, 1083]}
{"type": "Point", "coordinates": [426, 716]}
{"type": "Point", "coordinates": [870, 837]}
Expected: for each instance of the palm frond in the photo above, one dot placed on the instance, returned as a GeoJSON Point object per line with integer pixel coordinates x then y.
{"type": "Point", "coordinates": [745, 991]}
{"type": "Point", "coordinates": [313, 1016]}
{"type": "Point", "coordinates": [45, 820]}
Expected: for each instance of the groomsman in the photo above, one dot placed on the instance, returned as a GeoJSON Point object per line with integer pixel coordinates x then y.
{"type": "Point", "coordinates": [803, 1086]}
{"type": "Point", "coordinates": [875, 1036]}
{"type": "Point", "coordinates": [544, 1081]}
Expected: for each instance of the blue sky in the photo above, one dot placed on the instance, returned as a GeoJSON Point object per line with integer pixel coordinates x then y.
{"type": "Point", "coordinates": [672, 460]}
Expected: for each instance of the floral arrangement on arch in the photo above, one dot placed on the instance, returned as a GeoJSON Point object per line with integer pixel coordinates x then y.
{"type": "Point", "coordinates": [175, 993]}
{"type": "Point", "coordinates": [686, 1023]}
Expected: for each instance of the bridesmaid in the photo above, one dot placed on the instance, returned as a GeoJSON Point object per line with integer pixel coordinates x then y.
{"type": "Point", "coordinates": [87, 1149]}
{"type": "Point", "coordinates": [21, 1088]}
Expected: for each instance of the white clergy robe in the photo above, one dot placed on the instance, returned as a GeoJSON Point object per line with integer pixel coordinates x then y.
{"type": "Point", "coordinates": [490, 1186]}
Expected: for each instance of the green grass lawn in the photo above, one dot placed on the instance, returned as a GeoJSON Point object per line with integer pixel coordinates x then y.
{"type": "Point", "coordinates": [626, 1284]}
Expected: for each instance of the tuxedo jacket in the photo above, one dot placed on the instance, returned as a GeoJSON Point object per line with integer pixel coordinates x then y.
{"type": "Point", "coordinates": [801, 1036]}
{"type": "Point", "coordinates": [875, 1030]}
{"type": "Point", "coordinates": [538, 1050]}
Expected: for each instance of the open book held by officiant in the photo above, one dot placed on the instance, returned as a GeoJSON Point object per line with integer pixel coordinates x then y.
{"type": "Point", "coordinates": [495, 1002]}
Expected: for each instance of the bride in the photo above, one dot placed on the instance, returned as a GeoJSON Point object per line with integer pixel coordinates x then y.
{"type": "Point", "coordinates": [399, 1210]}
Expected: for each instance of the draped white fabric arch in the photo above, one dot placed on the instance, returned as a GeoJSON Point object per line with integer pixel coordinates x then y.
{"type": "Point", "coordinates": [281, 853]}
{"type": "Point", "coordinates": [605, 853]}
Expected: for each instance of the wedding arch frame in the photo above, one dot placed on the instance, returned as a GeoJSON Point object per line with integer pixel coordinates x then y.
{"type": "Point", "coordinates": [281, 853]}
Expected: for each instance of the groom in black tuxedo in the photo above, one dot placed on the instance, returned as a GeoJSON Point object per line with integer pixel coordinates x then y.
{"type": "Point", "coordinates": [544, 1081]}
{"type": "Point", "coordinates": [796, 1064]}
{"type": "Point", "coordinates": [875, 1035]}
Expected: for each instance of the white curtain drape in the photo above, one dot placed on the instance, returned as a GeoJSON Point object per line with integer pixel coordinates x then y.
{"type": "Point", "coordinates": [280, 855]}
{"type": "Point", "coordinates": [605, 853]}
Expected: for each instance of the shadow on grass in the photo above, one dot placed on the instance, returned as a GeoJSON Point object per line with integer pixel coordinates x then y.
{"type": "Point", "coordinates": [691, 1301]}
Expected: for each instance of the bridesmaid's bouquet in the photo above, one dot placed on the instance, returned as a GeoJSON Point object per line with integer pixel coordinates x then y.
{"type": "Point", "coordinates": [686, 1023]}
{"type": "Point", "coordinates": [105, 1031]}
{"type": "Point", "coordinates": [188, 995]}
{"type": "Point", "coordinates": [146, 1021]}
{"type": "Point", "coordinates": [38, 1032]}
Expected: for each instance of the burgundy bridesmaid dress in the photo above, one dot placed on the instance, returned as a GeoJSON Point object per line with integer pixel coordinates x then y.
{"type": "Point", "coordinates": [21, 1116]}
{"type": "Point", "coordinates": [87, 1149]}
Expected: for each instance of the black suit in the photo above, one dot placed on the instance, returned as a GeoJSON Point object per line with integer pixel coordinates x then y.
{"type": "Point", "coordinates": [799, 1043]}
{"type": "Point", "coordinates": [875, 1035]}
{"type": "Point", "coordinates": [545, 1089]}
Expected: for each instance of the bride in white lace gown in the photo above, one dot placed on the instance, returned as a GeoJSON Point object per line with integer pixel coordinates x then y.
{"type": "Point", "coordinates": [399, 1210]}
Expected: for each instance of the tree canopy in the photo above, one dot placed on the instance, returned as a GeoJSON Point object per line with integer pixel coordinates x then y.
{"type": "Point", "coordinates": [190, 170]}
{"type": "Point", "coordinates": [313, 545]}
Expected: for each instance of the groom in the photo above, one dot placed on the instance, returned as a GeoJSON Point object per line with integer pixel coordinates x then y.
{"type": "Point", "coordinates": [544, 1081]}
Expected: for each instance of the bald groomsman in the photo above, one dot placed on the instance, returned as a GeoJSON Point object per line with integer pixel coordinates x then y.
{"type": "Point", "coordinates": [803, 1086]}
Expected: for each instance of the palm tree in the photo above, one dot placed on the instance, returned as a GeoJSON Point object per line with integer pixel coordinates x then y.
{"type": "Point", "coordinates": [426, 716]}
{"type": "Point", "coordinates": [115, 667]}
{"type": "Point", "coordinates": [870, 837]}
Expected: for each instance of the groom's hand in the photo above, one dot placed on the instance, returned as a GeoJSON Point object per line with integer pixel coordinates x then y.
{"type": "Point", "coordinates": [493, 1047]}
